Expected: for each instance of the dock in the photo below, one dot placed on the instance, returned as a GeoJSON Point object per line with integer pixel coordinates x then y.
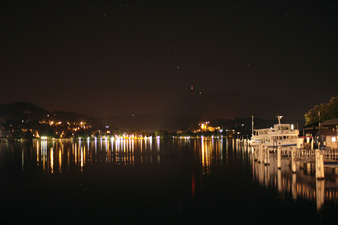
{"type": "Point", "coordinates": [272, 166]}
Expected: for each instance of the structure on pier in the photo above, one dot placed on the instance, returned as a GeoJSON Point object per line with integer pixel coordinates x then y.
{"type": "Point", "coordinates": [325, 135]}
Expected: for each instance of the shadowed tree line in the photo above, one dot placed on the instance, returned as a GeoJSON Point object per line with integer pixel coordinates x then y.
{"type": "Point", "coordinates": [322, 112]}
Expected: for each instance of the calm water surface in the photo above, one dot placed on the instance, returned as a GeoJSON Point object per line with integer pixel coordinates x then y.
{"type": "Point", "coordinates": [202, 181]}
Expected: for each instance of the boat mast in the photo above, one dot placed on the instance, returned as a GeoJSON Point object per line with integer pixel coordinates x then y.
{"type": "Point", "coordinates": [252, 123]}
{"type": "Point", "coordinates": [279, 118]}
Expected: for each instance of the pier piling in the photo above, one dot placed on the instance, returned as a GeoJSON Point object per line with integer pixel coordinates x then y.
{"type": "Point", "coordinates": [260, 154]}
{"type": "Point", "coordinates": [266, 155]}
{"type": "Point", "coordinates": [319, 165]}
{"type": "Point", "coordinates": [279, 158]}
{"type": "Point", "coordinates": [293, 160]}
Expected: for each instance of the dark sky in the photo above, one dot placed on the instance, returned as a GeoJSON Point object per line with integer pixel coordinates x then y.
{"type": "Point", "coordinates": [105, 58]}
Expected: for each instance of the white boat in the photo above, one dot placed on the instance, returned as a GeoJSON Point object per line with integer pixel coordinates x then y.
{"type": "Point", "coordinates": [280, 135]}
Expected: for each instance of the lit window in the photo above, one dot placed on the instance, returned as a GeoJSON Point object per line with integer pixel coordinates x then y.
{"type": "Point", "coordinates": [334, 139]}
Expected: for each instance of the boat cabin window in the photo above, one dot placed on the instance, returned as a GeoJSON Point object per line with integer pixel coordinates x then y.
{"type": "Point", "coordinates": [283, 127]}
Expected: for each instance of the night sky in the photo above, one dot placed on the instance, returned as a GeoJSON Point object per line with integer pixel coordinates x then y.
{"type": "Point", "coordinates": [122, 58]}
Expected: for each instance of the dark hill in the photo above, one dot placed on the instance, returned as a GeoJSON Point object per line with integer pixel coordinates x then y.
{"type": "Point", "coordinates": [231, 104]}
{"type": "Point", "coordinates": [21, 111]}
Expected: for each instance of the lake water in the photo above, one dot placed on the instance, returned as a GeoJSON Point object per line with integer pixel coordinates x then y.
{"type": "Point", "coordinates": [174, 181]}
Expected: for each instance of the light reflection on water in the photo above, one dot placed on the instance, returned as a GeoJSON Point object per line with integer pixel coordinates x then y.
{"type": "Point", "coordinates": [195, 167]}
{"type": "Point", "coordinates": [53, 156]}
{"type": "Point", "coordinates": [211, 152]}
{"type": "Point", "coordinates": [300, 185]}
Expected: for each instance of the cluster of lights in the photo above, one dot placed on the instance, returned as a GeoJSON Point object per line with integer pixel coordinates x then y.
{"type": "Point", "coordinates": [205, 127]}
{"type": "Point", "coordinates": [184, 137]}
{"type": "Point", "coordinates": [123, 137]}
{"type": "Point", "coordinates": [56, 123]}
{"type": "Point", "coordinates": [203, 137]}
{"type": "Point", "coordinates": [112, 138]}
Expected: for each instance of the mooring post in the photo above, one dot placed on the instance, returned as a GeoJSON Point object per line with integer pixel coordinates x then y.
{"type": "Point", "coordinates": [260, 157]}
{"type": "Point", "coordinates": [267, 155]}
{"type": "Point", "coordinates": [293, 160]}
{"type": "Point", "coordinates": [279, 157]}
{"type": "Point", "coordinates": [319, 165]}
{"type": "Point", "coordinates": [247, 141]}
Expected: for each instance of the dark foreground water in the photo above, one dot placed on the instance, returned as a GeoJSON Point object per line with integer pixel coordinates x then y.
{"type": "Point", "coordinates": [208, 181]}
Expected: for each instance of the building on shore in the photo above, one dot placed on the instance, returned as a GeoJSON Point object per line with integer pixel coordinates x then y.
{"type": "Point", "coordinates": [324, 134]}
{"type": "Point", "coordinates": [205, 127]}
{"type": "Point", "coordinates": [327, 134]}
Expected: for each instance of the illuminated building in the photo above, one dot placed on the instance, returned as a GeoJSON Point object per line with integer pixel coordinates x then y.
{"type": "Point", "coordinates": [204, 127]}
